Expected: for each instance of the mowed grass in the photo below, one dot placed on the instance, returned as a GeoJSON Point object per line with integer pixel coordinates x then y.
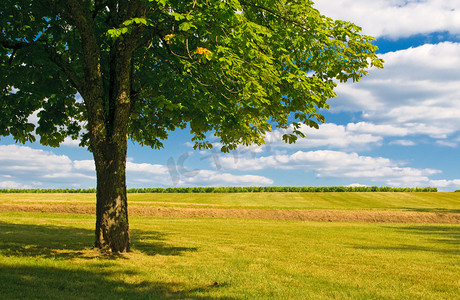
{"type": "Point", "coordinates": [49, 256]}
{"type": "Point", "coordinates": [423, 202]}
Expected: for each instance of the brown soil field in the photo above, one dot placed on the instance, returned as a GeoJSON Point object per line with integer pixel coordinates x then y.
{"type": "Point", "coordinates": [318, 215]}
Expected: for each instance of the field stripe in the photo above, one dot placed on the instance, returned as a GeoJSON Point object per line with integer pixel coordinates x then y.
{"type": "Point", "coordinates": [319, 215]}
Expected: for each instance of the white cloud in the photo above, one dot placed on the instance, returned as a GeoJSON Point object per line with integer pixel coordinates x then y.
{"type": "Point", "coordinates": [403, 143]}
{"type": "Point", "coordinates": [28, 167]}
{"type": "Point", "coordinates": [357, 185]}
{"type": "Point", "coordinates": [396, 18]}
{"type": "Point", "coordinates": [352, 137]}
{"type": "Point", "coordinates": [33, 118]}
{"type": "Point", "coordinates": [84, 165]}
{"type": "Point", "coordinates": [336, 164]}
{"type": "Point", "coordinates": [381, 130]}
{"type": "Point", "coordinates": [329, 135]}
{"type": "Point", "coordinates": [453, 184]}
{"type": "Point", "coordinates": [179, 175]}
{"type": "Point", "coordinates": [12, 185]}
{"type": "Point", "coordinates": [215, 178]}
{"type": "Point", "coordinates": [24, 167]}
{"type": "Point", "coordinates": [447, 144]}
{"type": "Point", "coordinates": [417, 92]}
{"type": "Point", "coordinates": [402, 129]}
{"type": "Point", "coordinates": [144, 168]}
{"type": "Point", "coordinates": [70, 142]}
{"type": "Point", "coordinates": [39, 168]}
{"type": "Point", "coordinates": [25, 160]}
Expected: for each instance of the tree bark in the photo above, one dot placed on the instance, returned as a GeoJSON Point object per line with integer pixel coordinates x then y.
{"type": "Point", "coordinates": [112, 227]}
{"type": "Point", "coordinates": [108, 113]}
{"type": "Point", "coordinates": [109, 148]}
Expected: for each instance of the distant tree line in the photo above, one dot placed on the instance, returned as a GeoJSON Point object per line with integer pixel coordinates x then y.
{"type": "Point", "coordinates": [237, 189]}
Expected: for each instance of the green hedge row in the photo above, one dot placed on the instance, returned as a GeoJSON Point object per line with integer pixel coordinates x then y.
{"type": "Point", "coordinates": [252, 189]}
{"type": "Point", "coordinates": [49, 191]}
{"type": "Point", "coordinates": [271, 189]}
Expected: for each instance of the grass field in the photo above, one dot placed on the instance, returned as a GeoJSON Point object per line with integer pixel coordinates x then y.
{"type": "Point", "coordinates": [46, 255]}
{"type": "Point", "coordinates": [434, 202]}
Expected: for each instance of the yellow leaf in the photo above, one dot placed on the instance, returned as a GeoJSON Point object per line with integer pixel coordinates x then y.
{"type": "Point", "coordinates": [169, 37]}
{"type": "Point", "coordinates": [201, 50]}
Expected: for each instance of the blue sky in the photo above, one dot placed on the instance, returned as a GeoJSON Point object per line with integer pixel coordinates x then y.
{"type": "Point", "coordinates": [399, 126]}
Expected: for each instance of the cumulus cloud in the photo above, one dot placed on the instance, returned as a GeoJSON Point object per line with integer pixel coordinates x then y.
{"type": "Point", "coordinates": [329, 135]}
{"type": "Point", "coordinates": [418, 92]}
{"type": "Point", "coordinates": [31, 167]}
{"type": "Point", "coordinates": [451, 144]}
{"type": "Point", "coordinates": [70, 142]}
{"type": "Point", "coordinates": [357, 185]}
{"type": "Point", "coordinates": [23, 160]}
{"type": "Point", "coordinates": [25, 167]}
{"type": "Point", "coordinates": [12, 185]}
{"type": "Point", "coordinates": [396, 18]}
{"type": "Point", "coordinates": [144, 168]}
{"type": "Point", "coordinates": [447, 184]}
{"type": "Point", "coordinates": [84, 165]}
{"type": "Point", "coordinates": [401, 129]}
{"type": "Point", "coordinates": [337, 164]}
{"type": "Point", "coordinates": [403, 143]}
{"type": "Point", "coordinates": [352, 136]}
{"type": "Point", "coordinates": [215, 178]}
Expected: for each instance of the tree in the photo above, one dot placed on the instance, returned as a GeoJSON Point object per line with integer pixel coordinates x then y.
{"type": "Point", "coordinates": [233, 68]}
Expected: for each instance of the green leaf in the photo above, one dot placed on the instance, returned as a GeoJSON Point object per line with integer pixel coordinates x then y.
{"type": "Point", "coordinates": [185, 26]}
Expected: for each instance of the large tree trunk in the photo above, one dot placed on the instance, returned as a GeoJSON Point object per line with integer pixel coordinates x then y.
{"type": "Point", "coordinates": [109, 131]}
{"type": "Point", "coordinates": [112, 228]}
{"type": "Point", "coordinates": [109, 150]}
{"type": "Point", "coordinates": [108, 105]}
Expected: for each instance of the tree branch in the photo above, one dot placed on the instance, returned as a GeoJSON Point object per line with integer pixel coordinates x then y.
{"type": "Point", "coordinates": [77, 13]}
{"type": "Point", "coordinates": [65, 67]}
{"type": "Point", "coordinates": [276, 14]}
{"type": "Point", "coordinates": [13, 45]}
{"type": "Point", "coordinates": [150, 34]}
{"type": "Point", "coordinates": [52, 55]}
{"type": "Point", "coordinates": [98, 5]}
{"type": "Point", "coordinates": [80, 15]}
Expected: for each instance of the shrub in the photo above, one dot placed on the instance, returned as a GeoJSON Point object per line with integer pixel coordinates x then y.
{"type": "Point", "coordinates": [238, 189]}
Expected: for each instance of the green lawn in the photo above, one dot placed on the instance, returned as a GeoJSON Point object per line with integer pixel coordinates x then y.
{"type": "Point", "coordinates": [429, 202]}
{"type": "Point", "coordinates": [48, 256]}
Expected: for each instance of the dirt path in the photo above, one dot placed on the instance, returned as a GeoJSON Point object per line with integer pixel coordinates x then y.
{"type": "Point", "coordinates": [320, 215]}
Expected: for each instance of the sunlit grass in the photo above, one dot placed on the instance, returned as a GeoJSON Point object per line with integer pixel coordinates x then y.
{"type": "Point", "coordinates": [438, 202]}
{"type": "Point", "coordinates": [48, 256]}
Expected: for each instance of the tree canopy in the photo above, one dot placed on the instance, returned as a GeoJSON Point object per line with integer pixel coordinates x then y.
{"type": "Point", "coordinates": [233, 68]}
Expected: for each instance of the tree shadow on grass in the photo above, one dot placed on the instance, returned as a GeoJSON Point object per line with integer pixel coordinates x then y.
{"type": "Point", "coordinates": [39, 282]}
{"type": "Point", "coordinates": [48, 241]}
{"type": "Point", "coordinates": [45, 241]}
{"type": "Point", "coordinates": [448, 235]}
{"type": "Point", "coordinates": [444, 239]}
{"type": "Point", "coordinates": [35, 278]}
{"type": "Point", "coordinates": [152, 243]}
{"type": "Point", "coordinates": [433, 210]}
